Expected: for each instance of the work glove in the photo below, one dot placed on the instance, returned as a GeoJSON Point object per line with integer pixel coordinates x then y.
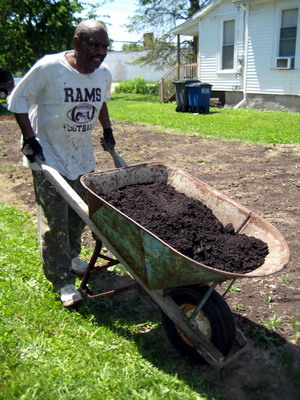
{"type": "Point", "coordinates": [31, 148]}
{"type": "Point", "coordinates": [107, 139]}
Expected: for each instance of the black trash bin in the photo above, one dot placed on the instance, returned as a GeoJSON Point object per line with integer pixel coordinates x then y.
{"type": "Point", "coordinates": [182, 95]}
{"type": "Point", "coordinates": [199, 97]}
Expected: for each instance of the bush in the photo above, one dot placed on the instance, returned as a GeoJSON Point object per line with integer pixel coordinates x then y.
{"type": "Point", "coordinates": [137, 85]}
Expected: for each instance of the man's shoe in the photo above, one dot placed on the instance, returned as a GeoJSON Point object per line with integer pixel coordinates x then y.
{"type": "Point", "coordinates": [70, 296]}
{"type": "Point", "coordinates": [79, 266]}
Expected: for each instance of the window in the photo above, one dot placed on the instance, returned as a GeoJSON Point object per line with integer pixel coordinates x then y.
{"type": "Point", "coordinates": [288, 33]}
{"type": "Point", "coordinates": [228, 44]}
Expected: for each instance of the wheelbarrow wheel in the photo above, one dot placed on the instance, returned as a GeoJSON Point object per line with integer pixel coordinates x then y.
{"type": "Point", "coordinates": [215, 321]}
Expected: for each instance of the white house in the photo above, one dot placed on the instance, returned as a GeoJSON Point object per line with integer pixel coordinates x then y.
{"type": "Point", "coordinates": [249, 50]}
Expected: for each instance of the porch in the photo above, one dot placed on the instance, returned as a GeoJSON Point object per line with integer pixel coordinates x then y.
{"type": "Point", "coordinates": [178, 72]}
{"type": "Point", "coordinates": [181, 72]}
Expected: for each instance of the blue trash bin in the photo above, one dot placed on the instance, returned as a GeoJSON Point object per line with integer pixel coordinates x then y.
{"type": "Point", "coordinates": [199, 97]}
{"type": "Point", "coordinates": [182, 95]}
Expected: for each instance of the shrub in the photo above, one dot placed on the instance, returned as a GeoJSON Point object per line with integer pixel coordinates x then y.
{"type": "Point", "coordinates": [137, 85]}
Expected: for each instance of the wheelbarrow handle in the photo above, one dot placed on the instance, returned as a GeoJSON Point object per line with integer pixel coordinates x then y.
{"type": "Point", "coordinates": [69, 194]}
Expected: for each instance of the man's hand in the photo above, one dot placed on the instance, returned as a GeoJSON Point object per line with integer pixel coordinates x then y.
{"type": "Point", "coordinates": [108, 138]}
{"type": "Point", "coordinates": [32, 148]}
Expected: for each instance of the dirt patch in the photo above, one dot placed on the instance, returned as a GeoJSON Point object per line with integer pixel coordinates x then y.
{"type": "Point", "coordinates": [265, 179]}
{"type": "Point", "coordinates": [189, 226]}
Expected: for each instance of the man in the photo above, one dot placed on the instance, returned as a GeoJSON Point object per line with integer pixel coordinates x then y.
{"type": "Point", "coordinates": [57, 105]}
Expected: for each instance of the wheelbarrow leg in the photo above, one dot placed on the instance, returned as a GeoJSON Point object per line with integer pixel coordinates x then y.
{"type": "Point", "coordinates": [91, 265]}
{"type": "Point", "coordinates": [209, 352]}
{"type": "Point", "coordinates": [93, 268]}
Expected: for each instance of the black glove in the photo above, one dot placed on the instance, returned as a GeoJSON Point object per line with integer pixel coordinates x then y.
{"type": "Point", "coordinates": [109, 139]}
{"type": "Point", "coordinates": [32, 148]}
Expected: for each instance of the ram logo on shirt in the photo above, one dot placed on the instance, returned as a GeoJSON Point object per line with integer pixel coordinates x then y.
{"type": "Point", "coordinates": [82, 113]}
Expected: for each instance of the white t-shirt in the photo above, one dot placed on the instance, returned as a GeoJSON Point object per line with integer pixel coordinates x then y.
{"type": "Point", "coordinates": [63, 106]}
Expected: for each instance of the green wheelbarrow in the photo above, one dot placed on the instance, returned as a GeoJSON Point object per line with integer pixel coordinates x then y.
{"type": "Point", "coordinates": [196, 318]}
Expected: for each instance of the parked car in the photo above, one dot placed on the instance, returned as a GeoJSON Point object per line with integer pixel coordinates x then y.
{"type": "Point", "coordinates": [17, 80]}
{"type": "Point", "coordinates": [6, 83]}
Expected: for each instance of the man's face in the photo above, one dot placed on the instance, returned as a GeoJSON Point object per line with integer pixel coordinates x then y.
{"type": "Point", "coordinates": [92, 50]}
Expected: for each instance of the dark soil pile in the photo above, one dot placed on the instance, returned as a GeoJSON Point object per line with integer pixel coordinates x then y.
{"type": "Point", "coordinates": [189, 227]}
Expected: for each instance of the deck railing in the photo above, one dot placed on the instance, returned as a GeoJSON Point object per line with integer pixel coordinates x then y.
{"type": "Point", "coordinates": [178, 72]}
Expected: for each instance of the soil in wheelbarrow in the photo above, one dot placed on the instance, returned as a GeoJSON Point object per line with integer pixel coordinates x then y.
{"type": "Point", "coordinates": [189, 226]}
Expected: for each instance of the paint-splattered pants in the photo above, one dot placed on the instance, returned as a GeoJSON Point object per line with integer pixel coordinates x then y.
{"type": "Point", "coordinates": [59, 228]}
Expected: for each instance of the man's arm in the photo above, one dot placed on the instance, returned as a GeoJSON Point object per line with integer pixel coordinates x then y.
{"type": "Point", "coordinates": [107, 131]}
{"type": "Point", "coordinates": [25, 126]}
{"type": "Point", "coordinates": [31, 146]}
{"type": "Point", "coordinates": [104, 117]}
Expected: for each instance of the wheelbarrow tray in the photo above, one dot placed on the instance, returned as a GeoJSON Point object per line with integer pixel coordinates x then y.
{"type": "Point", "coordinates": [156, 263]}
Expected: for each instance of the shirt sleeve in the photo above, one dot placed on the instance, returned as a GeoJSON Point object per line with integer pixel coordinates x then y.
{"type": "Point", "coordinates": [25, 94]}
{"type": "Point", "coordinates": [107, 94]}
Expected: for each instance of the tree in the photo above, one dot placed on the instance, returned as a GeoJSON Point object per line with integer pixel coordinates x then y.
{"type": "Point", "coordinates": [159, 17]}
{"type": "Point", "coordinates": [33, 28]}
{"type": "Point", "coordinates": [91, 11]}
{"type": "Point", "coordinates": [132, 47]}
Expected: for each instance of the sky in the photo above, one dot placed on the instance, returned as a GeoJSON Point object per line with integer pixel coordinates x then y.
{"type": "Point", "coordinates": [119, 11]}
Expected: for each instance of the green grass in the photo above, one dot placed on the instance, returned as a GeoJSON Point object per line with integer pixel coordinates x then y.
{"type": "Point", "coordinates": [107, 350]}
{"type": "Point", "coordinates": [245, 125]}
{"type": "Point", "coordinates": [99, 352]}
{"type": "Point", "coordinates": [3, 109]}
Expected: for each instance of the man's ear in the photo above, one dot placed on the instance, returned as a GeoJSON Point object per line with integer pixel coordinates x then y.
{"type": "Point", "coordinates": [76, 42]}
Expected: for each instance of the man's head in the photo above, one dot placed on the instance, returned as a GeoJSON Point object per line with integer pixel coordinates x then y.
{"type": "Point", "coordinates": [90, 45]}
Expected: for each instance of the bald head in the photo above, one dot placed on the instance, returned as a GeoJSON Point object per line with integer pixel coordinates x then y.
{"type": "Point", "coordinates": [88, 26]}
{"type": "Point", "coordinates": [90, 46]}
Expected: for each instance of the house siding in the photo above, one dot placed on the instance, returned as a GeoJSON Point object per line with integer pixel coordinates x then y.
{"type": "Point", "coordinates": [209, 47]}
{"type": "Point", "coordinates": [263, 29]}
{"type": "Point", "coordinates": [262, 76]}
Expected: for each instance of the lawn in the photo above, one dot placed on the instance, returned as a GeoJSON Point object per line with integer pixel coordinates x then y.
{"type": "Point", "coordinates": [100, 352]}
{"type": "Point", "coordinates": [107, 350]}
{"type": "Point", "coordinates": [246, 125]}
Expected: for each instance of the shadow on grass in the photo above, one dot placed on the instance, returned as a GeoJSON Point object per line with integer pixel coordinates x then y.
{"type": "Point", "coordinates": [135, 316]}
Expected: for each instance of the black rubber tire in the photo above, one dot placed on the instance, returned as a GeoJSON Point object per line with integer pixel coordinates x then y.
{"type": "Point", "coordinates": [3, 95]}
{"type": "Point", "coordinates": [217, 316]}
